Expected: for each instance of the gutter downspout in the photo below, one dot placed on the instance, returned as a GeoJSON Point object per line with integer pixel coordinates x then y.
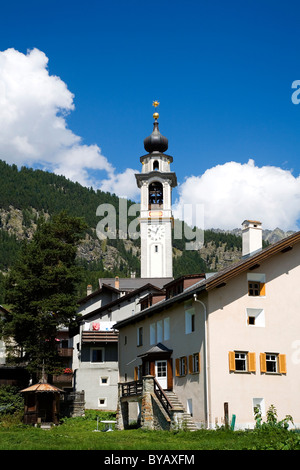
{"type": "Point", "coordinates": [206, 358]}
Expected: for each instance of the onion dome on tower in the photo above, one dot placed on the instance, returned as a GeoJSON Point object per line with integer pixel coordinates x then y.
{"type": "Point", "coordinates": [156, 142]}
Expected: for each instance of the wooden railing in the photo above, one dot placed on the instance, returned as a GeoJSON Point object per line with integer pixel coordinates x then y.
{"type": "Point", "coordinates": [65, 352]}
{"type": "Point", "coordinates": [162, 397]}
{"type": "Point", "coordinates": [132, 388]}
{"type": "Point", "coordinates": [63, 378]}
{"type": "Point", "coordinates": [129, 389]}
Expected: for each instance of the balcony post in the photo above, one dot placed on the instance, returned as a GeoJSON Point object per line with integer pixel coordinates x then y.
{"type": "Point", "coordinates": [122, 416]}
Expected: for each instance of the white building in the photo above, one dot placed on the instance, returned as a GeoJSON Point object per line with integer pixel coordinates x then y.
{"type": "Point", "coordinates": [156, 182]}
{"type": "Point", "coordinates": [95, 354]}
{"type": "Point", "coordinates": [221, 346]}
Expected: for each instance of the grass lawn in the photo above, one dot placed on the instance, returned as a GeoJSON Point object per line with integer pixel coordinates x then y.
{"type": "Point", "coordinates": [81, 434]}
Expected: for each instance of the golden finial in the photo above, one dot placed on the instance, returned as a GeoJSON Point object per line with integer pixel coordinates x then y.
{"type": "Point", "coordinates": [155, 104]}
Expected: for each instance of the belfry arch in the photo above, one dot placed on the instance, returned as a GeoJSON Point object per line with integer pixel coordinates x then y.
{"type": "Point", "coordinates": [156, 165]}
{"type": "Point", "coordinates": [156, 197]}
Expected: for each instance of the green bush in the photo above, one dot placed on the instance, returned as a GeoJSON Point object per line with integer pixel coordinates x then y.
{"type": "Point", "coordinates": [272, 421]}
{"type": "Point", "coordinates": [11, 401]}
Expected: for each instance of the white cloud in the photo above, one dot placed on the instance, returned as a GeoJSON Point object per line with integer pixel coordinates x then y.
{"type": "Point", "coordinates": [233, 192]}
{"type": "Point", "coordinates": [33, 128]}
{"type": "Point", "coordinates": [122, 184]}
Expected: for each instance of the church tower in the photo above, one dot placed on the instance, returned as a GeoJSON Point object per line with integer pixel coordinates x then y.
{"type": "Point", "coordinates": [156, 182]}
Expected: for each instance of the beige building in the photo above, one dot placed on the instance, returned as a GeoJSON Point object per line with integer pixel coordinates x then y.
{"type": "Point", "coordinates": [223, 343]}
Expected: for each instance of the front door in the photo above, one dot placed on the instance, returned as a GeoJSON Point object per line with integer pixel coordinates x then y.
{"type": "Point", "coordinates": [161, 373]}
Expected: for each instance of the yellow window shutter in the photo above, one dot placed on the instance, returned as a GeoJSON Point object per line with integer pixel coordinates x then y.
{"type": "Point", "coordinates": [263, 364]}
{"type": "Point", "coordinates": [282, 363]}
{"type": "Point", "coordinates": [191, 365]}
{"type": "Point", "coordinates": [177, 367]}
{"type": "Point", "coordinates": [262, 288]}
{"type": "Point", "coordinates": [251, 362]}
{"type": "Point", "coordinates": [231, 356]}
{"type": "Point", "coordinates": [136, 373]}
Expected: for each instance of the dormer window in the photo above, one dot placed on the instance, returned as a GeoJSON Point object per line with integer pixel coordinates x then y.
{"type": "Point", "coordinates": [155, 165]}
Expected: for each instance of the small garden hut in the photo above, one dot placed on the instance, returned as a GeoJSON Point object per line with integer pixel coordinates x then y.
{"type": "Point", "coordinates": [41, 403]}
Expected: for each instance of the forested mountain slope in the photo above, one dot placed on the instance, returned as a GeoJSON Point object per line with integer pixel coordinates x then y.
{"type": "Point", "coordinates": [27, 194]}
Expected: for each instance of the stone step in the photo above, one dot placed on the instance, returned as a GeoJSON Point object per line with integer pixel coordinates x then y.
{"type": "Point", "coordinates": [187, 418]}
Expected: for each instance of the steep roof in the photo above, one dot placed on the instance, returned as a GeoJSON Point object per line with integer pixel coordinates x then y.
{"type": "Point", "coordinates": [132, 283]}
{"type": "Point", "coordinates": [97, 292]}
{"type": "Point", "coordinates": [123, 298]}
{"type": "Point", "coordinates": [218, 279]}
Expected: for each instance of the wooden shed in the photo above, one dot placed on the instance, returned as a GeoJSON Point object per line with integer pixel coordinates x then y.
{"type": "Point", "coordinates": [41, 403]}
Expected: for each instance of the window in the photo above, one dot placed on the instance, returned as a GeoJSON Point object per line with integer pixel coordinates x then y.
{"type": "Point", "coordinates": [140, 336]}
{"type": "Point", "coordinates": [155, 165]}
{"type": "Point", "coordinates": [256, 285]}
{"type": "Point", "coordinates": [97, 355]}
{"type": "Point", "coordinates": [156, 248]}
{"type": "Point", "coordinates": [166, 328]}
{"type": "Point", "coordinates": [160, 331]}
{"type": "Point", "coordinates": [104, 381]}
{"type": "Point", "coordinates": [138, 373]}
{"type": "Point", "coordinates": [242, 361]}
{"type": "Point", "coordinates": [255, 317]}
{"type": "Point", "coordinates": [194, 363]}
{"type": "Point", "coordinates": [273, 363]}
{"type": "Point", "coordinates": [253, 288]}
{"type": "Point", "coordinates": [189, 320]}
{"type": "Point", "coordinates": [102, 402]}
{"type": "Point", "coordinates": [152, 333]}
{"type": "Point", "coordinates": [181, 366]}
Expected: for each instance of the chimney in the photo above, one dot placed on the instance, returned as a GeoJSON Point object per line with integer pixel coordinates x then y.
{"type": "Point", "coordinates": [117, 282]}
{"type": "Point", "coordinates": [89, 289]}
{"type": "Point", "coordinates": [251, 237]}
{"type": "Point", "coordinates": [132, 274]}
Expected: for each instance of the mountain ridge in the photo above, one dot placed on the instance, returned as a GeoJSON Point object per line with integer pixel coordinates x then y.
{"type": "Point", "coordinates": [28, 194]}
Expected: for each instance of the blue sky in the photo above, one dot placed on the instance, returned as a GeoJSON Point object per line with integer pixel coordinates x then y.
{"type": "Point", "coordinates": [221, 70]}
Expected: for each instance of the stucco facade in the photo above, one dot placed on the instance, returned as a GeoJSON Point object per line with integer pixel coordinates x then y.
{"type": "Point", "coordinates": [248, 340]}
{"type": "Point", "coordinates": [95, 354]}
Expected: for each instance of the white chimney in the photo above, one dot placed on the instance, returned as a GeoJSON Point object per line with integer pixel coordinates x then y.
{"type": "Point", "coordinates": [89, 289]}
{"type": "Point", "coordinates": [251, 237]}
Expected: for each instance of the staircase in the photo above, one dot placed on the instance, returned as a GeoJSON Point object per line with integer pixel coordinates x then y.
{"type": "Point", "coordinates": [189, 424]}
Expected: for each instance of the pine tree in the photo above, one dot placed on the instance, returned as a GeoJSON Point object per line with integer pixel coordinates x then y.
{"type": "Point", "coordinates": [42, 290]}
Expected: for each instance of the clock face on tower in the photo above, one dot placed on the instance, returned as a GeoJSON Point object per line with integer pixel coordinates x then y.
{"type": "Point", "coordinates": [156, 232]}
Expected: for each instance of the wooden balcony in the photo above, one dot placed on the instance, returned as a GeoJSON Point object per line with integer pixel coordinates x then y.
{"type": "Point", "coordinates": [63, 378]}
{"type": "Point", "coordinates": [65, 352]}
{"type": "Point", "coordinates": [99, 337]}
